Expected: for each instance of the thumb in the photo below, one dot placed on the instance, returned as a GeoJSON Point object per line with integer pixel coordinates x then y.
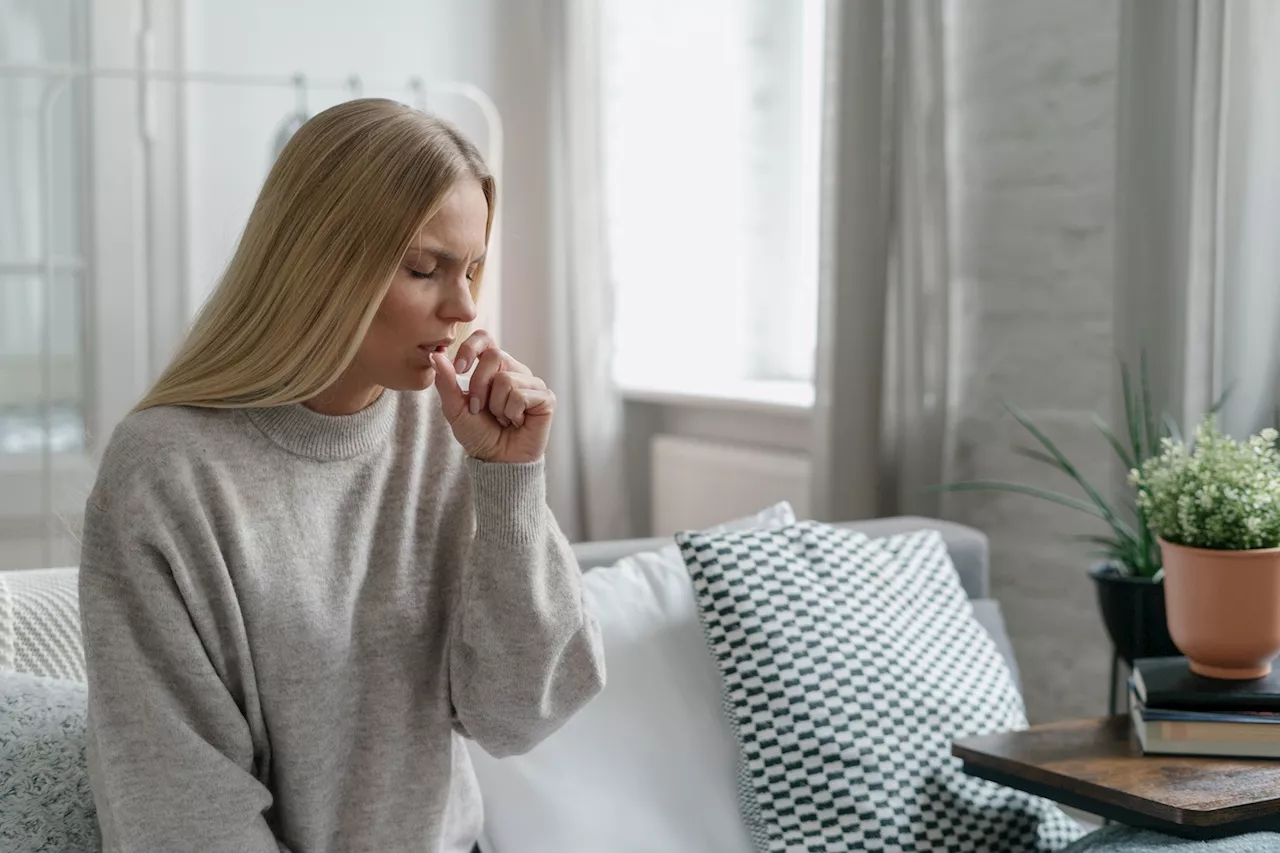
{"type": "Point", "coordinates": [451, 396]}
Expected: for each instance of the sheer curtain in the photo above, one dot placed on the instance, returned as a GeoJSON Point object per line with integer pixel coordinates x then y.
{"type": "Point", "coordinates": [586, 459]}
{"type": "Point", "coordinates": [885, 341]}
{"type": "Point", "coordinates": [1198, 199]}
{"type": "Point", "coordinates": [1250, 215]}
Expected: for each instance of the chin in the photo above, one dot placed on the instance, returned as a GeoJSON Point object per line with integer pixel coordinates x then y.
{"type": "Point", "coordinates": [422, 380]}
{"type": "Point", "coordinates": [418, 379]}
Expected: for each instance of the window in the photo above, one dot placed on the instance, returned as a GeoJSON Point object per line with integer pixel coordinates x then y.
{"type": "Point", "coordinates": [72, 360]}
{"type": "Point", "coordinates": [44, 469]}
{"type": "Point", "coordinates": [712, 114]}
{"type": "Point", "coordinates": [40, 302]}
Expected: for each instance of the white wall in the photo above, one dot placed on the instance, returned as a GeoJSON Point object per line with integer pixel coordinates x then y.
{"type": "Point", "coordinates": [231, 129]}
{"type": "Point", "coordinates": [1033, 147]}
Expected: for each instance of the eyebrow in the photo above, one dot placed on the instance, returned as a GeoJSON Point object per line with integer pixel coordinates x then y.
{"type": "Point", "coordinates": [441, 254]}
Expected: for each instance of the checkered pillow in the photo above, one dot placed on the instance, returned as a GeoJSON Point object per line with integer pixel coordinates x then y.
{"type": "Point", "coordinates": [849, 665]}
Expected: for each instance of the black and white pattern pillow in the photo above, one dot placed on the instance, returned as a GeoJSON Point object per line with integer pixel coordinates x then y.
{"type": "Point", "coordinates": [849, 665]}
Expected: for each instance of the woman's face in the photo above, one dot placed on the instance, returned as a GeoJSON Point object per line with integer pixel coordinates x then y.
{"type": "Point", "coordinates": [429, 300]}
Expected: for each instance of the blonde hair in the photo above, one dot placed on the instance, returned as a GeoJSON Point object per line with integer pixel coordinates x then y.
{"type": "Point", "coordinates": [327, 234]}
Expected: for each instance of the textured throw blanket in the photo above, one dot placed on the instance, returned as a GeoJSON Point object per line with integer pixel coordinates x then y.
{"type": "Point", "coordinates": [45, 802]}
{"type": "Point", "coordinates": [1126, 839]}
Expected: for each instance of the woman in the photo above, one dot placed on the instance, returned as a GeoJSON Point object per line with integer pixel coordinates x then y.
{"type": "Point", "coordinates": [303, 572]}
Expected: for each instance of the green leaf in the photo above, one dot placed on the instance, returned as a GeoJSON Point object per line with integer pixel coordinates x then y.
{"type": "Point", "coordinates": [1119, 551]}
{"type": "Point", "coordinates": [1148, 412]}
{"type": "Point", "coordinates": [1106, 541]}
{"type": "Point", "coordinates": [1041, 456]}
{"type": "Point", "coordinates": [1018, 488]}
{"type": "Point", "coordinates": [1216, 408]}
{"type": "Point", "coordinates": [1116, 444]}
{"type": "Point", "coordinates": [1131, 416]}
{"type": "Point", "coordinates": [1107, 512]}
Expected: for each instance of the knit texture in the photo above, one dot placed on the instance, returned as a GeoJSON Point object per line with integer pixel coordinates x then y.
{"type": "Point", "coordinates": [288, 616]}
{"type": "Point", "coordinates": [40, 623]}
{"type": "Point", "coordinates": [1126, 839]}
{"type": "Point", "coordinates": [45, 803]}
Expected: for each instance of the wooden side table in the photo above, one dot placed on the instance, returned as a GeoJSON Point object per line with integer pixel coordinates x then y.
{"type": "Point", "coordinates": [1097, 766]}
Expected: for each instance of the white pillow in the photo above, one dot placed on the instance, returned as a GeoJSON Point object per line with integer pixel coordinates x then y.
{"type": "Point", "coordinates": [651, 763]}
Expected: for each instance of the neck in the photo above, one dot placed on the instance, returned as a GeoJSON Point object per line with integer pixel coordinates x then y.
{"type": "Point", "coordinates": [345, 397]}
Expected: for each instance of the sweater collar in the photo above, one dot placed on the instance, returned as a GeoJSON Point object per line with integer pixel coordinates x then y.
{"type": "Point", "coordinates": [304, 432]}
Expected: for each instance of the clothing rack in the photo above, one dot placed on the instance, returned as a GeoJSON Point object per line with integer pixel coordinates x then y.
{"type": "Point", "coordinates": [57, 79]}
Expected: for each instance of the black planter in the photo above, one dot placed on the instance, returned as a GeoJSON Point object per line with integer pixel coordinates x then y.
{"type": "Point", "coordinates": [1133, 611]}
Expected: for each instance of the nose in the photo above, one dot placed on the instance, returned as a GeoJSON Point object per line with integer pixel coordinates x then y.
{"type": "Point", "coordinates": [460, 305]}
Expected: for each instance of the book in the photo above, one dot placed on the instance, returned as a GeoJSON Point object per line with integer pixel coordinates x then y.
{"type": "Point", "coordinates": [1235, 735]}
{"type": "Point", "coordinates": [1169, 683]}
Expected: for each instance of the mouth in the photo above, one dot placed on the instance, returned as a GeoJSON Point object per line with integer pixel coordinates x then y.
{"type": "Point", "coordinates": [438, 346]}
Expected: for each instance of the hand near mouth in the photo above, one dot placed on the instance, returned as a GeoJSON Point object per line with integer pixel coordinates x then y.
{"type": "Point", "coordinates": [505, 415]}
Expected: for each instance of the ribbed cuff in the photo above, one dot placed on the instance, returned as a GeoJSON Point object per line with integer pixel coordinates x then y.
{"type": "Point", "coordinates": [510, 500]}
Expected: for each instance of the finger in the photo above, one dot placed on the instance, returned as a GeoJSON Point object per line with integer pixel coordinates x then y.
{"type": "Point", "coordinates": [503, 384]}
{"type": "Point", "coordinates": [490, 366]}
{"type": "Point", "coordinates": [529, 402]}
{"type": "Point", "coordinates": [515, 366]}
{"type": "Point", "coordinates": [499, 392]}
{"type": "Point", "coordinates": [452, 399]}
{"type": "Point", "coordinates": [476, 343]}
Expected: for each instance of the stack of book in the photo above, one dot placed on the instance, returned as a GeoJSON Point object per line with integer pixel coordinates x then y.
{"type": "Point", "coordinates": [1176, 712]}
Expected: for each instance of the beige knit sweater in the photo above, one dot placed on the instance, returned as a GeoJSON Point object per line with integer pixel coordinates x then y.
{"type": "Point", "coordinates": [288, 617]}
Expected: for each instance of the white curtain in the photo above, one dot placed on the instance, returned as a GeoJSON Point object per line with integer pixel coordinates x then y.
{"type": "Point", "coordinates": [1198, 199]}
{"type": "Point", "coordinates": [917, 437]}
{"type": "Point", "coordinates": [1250, 215]}
{"type": "Point", "coordinates": [885, 345]}
{"type": "Point", "coordinates": [586, 459]}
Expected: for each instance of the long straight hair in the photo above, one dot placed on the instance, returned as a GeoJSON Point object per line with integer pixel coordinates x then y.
{"type": "Point", "coordinates": [327, 234]}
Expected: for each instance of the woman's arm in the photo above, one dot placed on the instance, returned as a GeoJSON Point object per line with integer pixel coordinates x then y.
{"type": "Point", "coordinates": [524, 655]}
{"type": "Point", "coordinates": [171, 758]}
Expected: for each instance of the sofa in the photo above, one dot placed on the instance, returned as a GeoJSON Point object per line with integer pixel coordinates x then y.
{"type": "Point", "coordinates": [968, 549]}
{"type": "Point", "coordinates": [39, 634]}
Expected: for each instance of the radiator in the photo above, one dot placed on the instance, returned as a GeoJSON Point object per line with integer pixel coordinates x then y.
{"type": "Point", "coordinates": [698, 483]}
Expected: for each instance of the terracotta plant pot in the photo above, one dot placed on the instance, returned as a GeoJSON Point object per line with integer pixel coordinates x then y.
{"type": "Point", "coordinates": [1223, 608]}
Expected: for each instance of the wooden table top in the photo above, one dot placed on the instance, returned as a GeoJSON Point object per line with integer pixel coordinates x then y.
{"type": "Point", "coordinates": [1097, 765]}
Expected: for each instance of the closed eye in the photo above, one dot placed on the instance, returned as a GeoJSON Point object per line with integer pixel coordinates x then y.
{"type": "Point", "coordinates": [421, 275]}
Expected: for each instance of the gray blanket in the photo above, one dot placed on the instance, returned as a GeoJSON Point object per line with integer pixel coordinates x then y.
{"type": "Point", "coordinates": [1126, 839]}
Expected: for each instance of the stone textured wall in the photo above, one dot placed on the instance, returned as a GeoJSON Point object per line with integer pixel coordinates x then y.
{"type": "Point", "coordinates": [1032, 97]}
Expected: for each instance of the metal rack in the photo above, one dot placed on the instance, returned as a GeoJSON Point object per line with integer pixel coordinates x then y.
{"type": "Point", "coordinates": [57, 79]}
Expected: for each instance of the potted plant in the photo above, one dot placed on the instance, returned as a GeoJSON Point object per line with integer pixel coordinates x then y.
{"type": "Point", "coordinates": [1215, 508]}
{"type": "Point", "coordinates": [1127, 578]}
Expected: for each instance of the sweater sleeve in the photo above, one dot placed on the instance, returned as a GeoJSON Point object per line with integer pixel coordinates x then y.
{"type": "Point", "coordinates": [171, 758]}
{"type": "Point", "coordinates": [525, 654]}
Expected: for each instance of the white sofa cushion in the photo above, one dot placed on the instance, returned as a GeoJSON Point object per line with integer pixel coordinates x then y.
{"type": "Point", "coordinates": [40, 623]}
{"type": "Point", "coordinates": [649, 765]}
